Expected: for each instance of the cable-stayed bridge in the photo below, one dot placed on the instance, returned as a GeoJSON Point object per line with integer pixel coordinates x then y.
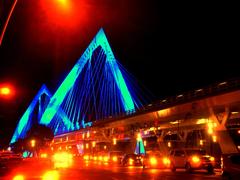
{"type": "Point", "coordinates": [97, 87]}
{"type": "Point", "coordinates": [99, 101]}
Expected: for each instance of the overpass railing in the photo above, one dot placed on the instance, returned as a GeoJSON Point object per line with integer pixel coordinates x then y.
{"type": "Point", "coordinates": [212, 90]}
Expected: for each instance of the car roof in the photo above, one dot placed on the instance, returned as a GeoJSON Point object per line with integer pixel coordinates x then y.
{"type": "Point", "coordinates": [188, 149]}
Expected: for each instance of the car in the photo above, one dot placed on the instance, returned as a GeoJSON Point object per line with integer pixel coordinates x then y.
{"type": "Point", "coordinates": [230, 165]}
{"type": "Point", "coordinates": [156, 160]}
{"type": "Point", "coordinates": [116, 156]}
{"type": "Point", "coordinates": [9, 159]}
{"type": "Point", "coordinates": [132, 160]}
{"type": "Point", "coordinates": [191, 159]}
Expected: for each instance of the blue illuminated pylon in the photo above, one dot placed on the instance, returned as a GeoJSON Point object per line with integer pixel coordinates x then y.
{"type": "Point", "coordinates": [139, 149]}
{"type": "Point", "coordinates": [28, 118]}
{"type": "Point", "coordinates": [57, 99]}
{"type": "Point", "coordinates": [94, 89]}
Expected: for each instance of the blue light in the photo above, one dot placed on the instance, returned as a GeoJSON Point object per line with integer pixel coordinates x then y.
{"type": "Point", "coordinates": [94, 89]}
{"type": "Point", "coordinates": [61, 93]}
{"type": "Point", "coordinates": [25, 122]}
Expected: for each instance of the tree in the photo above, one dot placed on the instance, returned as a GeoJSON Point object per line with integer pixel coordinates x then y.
{"type": "Point", "coordinates": [38, 137]}
{"type": "Point", "coordinates": [41, 135]}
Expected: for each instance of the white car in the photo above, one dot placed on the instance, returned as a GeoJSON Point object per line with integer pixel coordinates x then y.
{"type": "Point", "coordinates": [191, 159]}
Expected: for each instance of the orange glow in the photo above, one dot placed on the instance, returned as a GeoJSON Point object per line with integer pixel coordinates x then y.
{"type": "Point", "coordinates": [169, 144]}
{"type": "Point", "coordinates": [214, 138]}
{"type": "Point", "coordinates": [51, 175]}
{"type": "Point", "coordinates": [195, 159]}
{"type": "Point", "coordinates": [153, 161]}
{"type": "Point", "coordinates": [239, 131]}
{"type": "Point", "coordinates": [105, 159]}
{"type": "Point", "coordinates": [43, 155]}
{"type": "Point", "coordinates": [114, 158]}
{"type": "Point", "coordinates": [139, 137]}
{"type": "Point", "coordinates": [67, 14]}
{"type": "Point", "coordinates": [130, 161]}
{"type": "Point", "coordinates": [166, 161]}
{"type": "Point", "coordinates": [100, 158]}
{"type": "Point", "coordinates": [88, 134]}
{"type": "Point", "coordinates": [18, 177]}
{"type": "Point", "coordinates": [212, 159]}
{"type": "Point", "coordinates": [62, 160]}
{"type": "Point", "coordinates": [210, 127]}
{"type": "Point", "coordinates": [201, 142]}
{"type": "Point", "coordinates": [114, 141]}
{"type": "Point", "coordinates": [63, 3]}
{"type": "Point", "coordinates": [93, 144]}
{"type": "Point", "coordinates": [86, 157]}
{"type": "Point", "coordinates": [33, 143]}
{"type": "Point", "coordinates": [6, 91]}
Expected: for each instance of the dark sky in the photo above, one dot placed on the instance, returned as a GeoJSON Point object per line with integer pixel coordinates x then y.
{"type": "Point", "coordinates": [170, 48]}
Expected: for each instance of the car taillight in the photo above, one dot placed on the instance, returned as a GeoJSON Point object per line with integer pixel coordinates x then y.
{"type": "Point", "coordinates": [105, 158]}
{"type": "Point", "coordinates": [100, 158]}
{"type": "Point", "coordinates": [153, 161]}
{"type": "Point", "coordinates": [114, 158]}
{"type": "Point", "coordinates": [195, 159]}
{"type": "Point", "coordinates": [43, 155]}
{"type": "Point", "coordinates": [130, 161]}
{"type": "Point", "coordinates": [212, 159]}
{"type": "Point", "coordinates": [166, 161]}
{"type": "Point", "coordinates": [86, 157]}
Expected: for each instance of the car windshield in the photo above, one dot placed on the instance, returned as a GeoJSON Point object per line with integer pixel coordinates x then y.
{"type": "Point", "coordinates": [197, 151]}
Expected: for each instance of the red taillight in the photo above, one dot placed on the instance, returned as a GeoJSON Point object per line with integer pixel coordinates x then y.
{"type": "Point", "coordinates": [166, 161]}
{"type": "Point", "coordinates": [195, 159]}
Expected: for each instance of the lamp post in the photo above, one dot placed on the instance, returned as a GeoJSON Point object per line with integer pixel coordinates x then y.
{"type": "Point", "coordinates": [6, 23]}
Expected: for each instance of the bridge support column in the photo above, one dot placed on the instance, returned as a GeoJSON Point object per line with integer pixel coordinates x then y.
{"type": "Point", "coordinates": [225, 141]}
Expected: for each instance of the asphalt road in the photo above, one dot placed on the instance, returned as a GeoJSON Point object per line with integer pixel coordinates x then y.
{"type": "Point", "coordinates": [98, 171]}
{"type": "Point", "coordinates": [104, 171]}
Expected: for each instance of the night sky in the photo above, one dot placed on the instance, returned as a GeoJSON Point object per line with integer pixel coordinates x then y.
{"type": "Point", "coordinates": [169, 48]}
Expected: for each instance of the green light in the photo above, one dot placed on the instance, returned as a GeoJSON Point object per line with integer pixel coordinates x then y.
{"type": "Point", "coordinates": [57, 99]}
{"type": "Point", "coordinates": [26, 121]}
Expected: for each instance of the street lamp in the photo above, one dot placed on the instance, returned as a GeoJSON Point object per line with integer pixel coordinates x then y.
{"type": "Point", "coordinates": [6, 91]}
{"type": "Point", "coordinates": [7, 21]}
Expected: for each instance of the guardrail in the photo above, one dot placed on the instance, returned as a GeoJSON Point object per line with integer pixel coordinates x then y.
{"type": "Point", "coordinates": [212, 90]}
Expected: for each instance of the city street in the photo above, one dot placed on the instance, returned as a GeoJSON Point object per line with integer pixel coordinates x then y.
{"type": "Point", "coordinates": [118, 173]}
{"type": "Point", "coordinates": [97, 171]}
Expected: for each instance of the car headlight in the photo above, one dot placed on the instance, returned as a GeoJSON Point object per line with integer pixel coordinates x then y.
{"type": "Point", "coordinates": [51, 175]}
{"type": "Point", "coordinates": [18, 177]}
